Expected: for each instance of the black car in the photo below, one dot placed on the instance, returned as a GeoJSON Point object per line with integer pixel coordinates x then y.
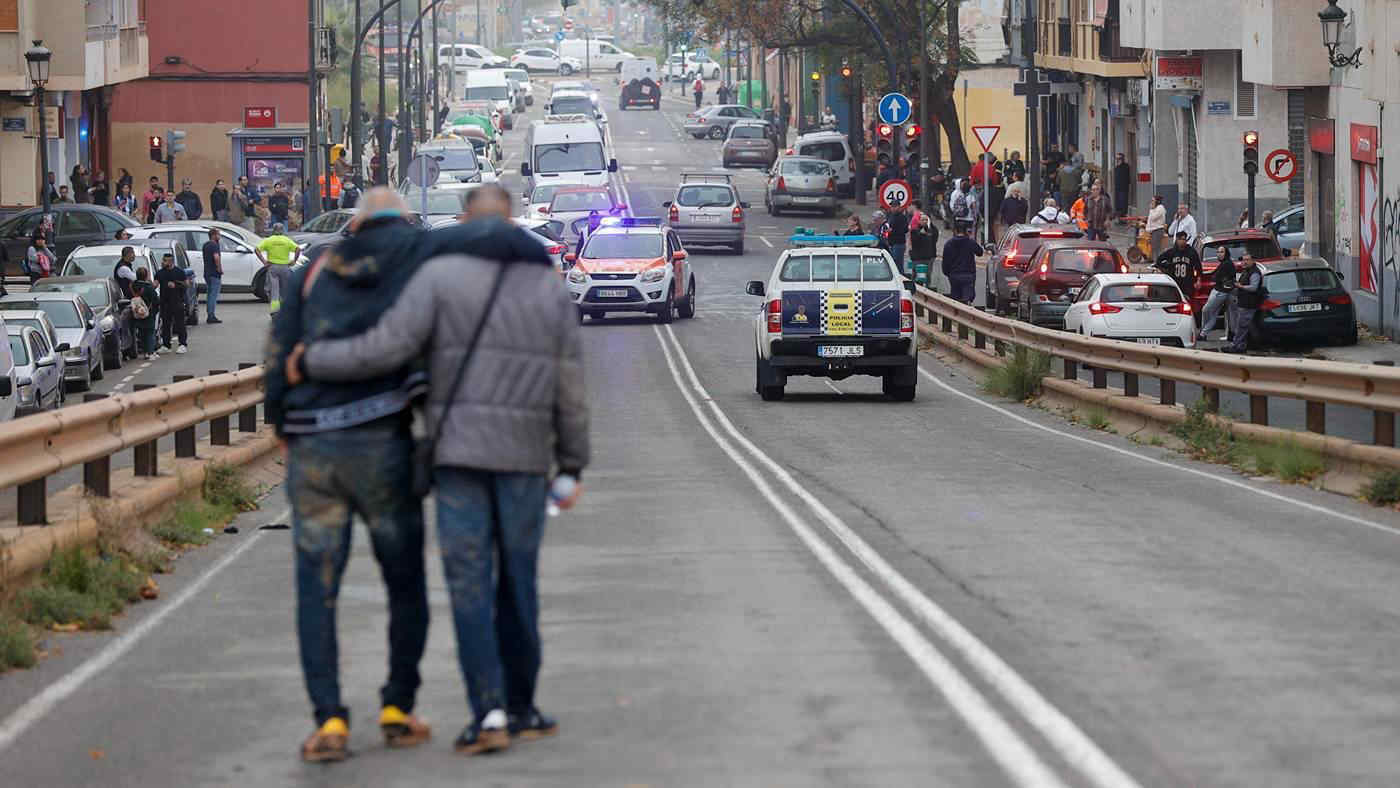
{"type": "Point", "coordinates": [75, 224]}
{"type": "Point", "coordinates": [1305, 300]}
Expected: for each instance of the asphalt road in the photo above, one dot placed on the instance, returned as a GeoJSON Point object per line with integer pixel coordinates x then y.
{"type": "Point", "coordinates": [831, 590]}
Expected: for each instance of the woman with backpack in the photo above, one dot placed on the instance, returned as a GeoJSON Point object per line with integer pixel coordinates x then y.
{"type": "Point", "coordinates": [145, 297]}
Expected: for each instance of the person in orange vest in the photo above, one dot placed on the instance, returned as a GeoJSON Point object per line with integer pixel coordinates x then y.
{"type": "Point", "coordinates": [1076, 213]}
{"type": "Point", "coordinates": [329, 199]}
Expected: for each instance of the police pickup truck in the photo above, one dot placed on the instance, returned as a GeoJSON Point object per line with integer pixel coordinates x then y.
{"type": "Point", "coordinates": [833, 307]}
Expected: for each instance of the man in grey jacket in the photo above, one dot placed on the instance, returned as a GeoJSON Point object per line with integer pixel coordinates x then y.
{"type": "Point", "coordinates": [520, 412]}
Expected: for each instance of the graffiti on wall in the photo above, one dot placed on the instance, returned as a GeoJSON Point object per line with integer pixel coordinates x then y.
{"type": "Point", "coordinates": [1367, 228]}
{"type": "Point", "coordinates": [1388, 239]}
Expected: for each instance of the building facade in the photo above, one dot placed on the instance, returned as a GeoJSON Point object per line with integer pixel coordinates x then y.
{"type": "Point", "coordinates": [96, 45]}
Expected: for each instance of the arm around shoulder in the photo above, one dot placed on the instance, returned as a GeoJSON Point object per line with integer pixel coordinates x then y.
{"type": "Point", "coordinates": [398, 337]}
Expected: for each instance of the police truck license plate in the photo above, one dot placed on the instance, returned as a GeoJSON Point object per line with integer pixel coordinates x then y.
{"type": "Point", "coordinates": [622, 293]}
{"type": "Point", "coordinates": [840, 351]}
{"type": "Point", "coordinates": [1305, 307]}
{"type": "Point", "coordinates": [804, 200]}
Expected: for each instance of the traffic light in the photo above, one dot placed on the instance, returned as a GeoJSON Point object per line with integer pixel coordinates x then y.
{"type": "Point", "coordinates": [156, 149]}
{"type": "Point", "coordinates": [845, 72]}
{"type": "Point", "coordinates": [1251, 152]}
{"type": "Point", "coordinates": [816, 76]}
{"type": "Point", "coordinates": [564, 4]}
{"type": "Point", "coordinates": [337, 152]}
{"type": "Point", "coordinates": [174, 141]}
{"type": "Point", "coordinates": [912, 132]}
{"type": "Point", "coordinates": [885, 131]}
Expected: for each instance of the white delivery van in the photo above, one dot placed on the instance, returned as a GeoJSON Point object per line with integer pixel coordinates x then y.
{"type": "Point", "coordinates": [492, 84]}
{"type": "Point", "coordinates": [468, 56]}
{"type": "Point", "coordinates": [594, 53]}
{"type": "Point", "coordinates": [565, 149]}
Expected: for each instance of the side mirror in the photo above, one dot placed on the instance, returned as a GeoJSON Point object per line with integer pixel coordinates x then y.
{"type": "Point", "coordinates": [612, 165]}
{"type": "Point", "coordinates": [6, 387]}
{"type": "Point", "coordinates": [909, 286]}
{"type": "Point", "coordinates": [62, 347]}
{"type": "Point", "coordinates": [51, 360]}
{"type": "Point", "coordinates": [679, 255]}
{"type": "Point", "coordinates": [743, 204]}
{"type": "Point", "coordinates": [124, 303]}
{"type": "Point", "coordinates": [666, 204]}
{"type": "Point", "coordinates": [755, 287]}
{"type": "Point", "coordinates": [524, 170]}
{"type": "Point", "coordinates": [570, 258]}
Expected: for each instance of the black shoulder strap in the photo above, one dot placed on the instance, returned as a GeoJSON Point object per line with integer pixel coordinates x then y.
{"type": "Point", "coordinates": [471, 350]}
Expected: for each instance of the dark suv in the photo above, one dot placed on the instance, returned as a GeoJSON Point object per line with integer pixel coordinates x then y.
{"type": "Point", "coordinates": [1305, 300]}
{"type": "Point", "coordinates": [1056, 272]}
{"type": "Point", "coordinates": [75, 224]}
{"type": "Point", "coordinates": [1012, 254]}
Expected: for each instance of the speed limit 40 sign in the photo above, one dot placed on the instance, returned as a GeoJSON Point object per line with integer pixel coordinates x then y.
{"type": "Point", "coordinates": [894, 194]}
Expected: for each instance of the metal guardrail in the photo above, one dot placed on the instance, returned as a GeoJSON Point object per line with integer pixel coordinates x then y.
{"type": "Point", "coordinates": [35, 447]}
{"type": "Point", "coordinates": [1317, 383]}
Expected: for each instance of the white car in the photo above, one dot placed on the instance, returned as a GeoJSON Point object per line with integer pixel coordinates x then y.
{"type": "Point", "coordinates": [832, 147]}
{"type": "Point", "coordinates": [466, 56]}
{"type": "Point", "coordinates": [548, 234]}
{"type": "Point", "coordinates": [833, 307]}
{"type": "Point", "coordinates": [542, 59]}
{"type": "Point", "coordinates": [1145, 308]}
{"type": "Point", "coordinates": [240, 263]}
{"type": "Point", "coordinates": [694, 63]}
{"type": "Point", "coordinates": [631, 265]}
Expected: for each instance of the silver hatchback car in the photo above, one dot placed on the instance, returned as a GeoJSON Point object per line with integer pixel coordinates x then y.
{"type": "Point", "coordinates": [803, 183]}
{"type": "Point", "coordinates": [707, 210]}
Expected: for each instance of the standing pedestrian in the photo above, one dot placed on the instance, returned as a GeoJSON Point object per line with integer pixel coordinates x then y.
{"type": "Point", "coordinates": [1122, 183]}
{"type": "Point", "coordinates": [699, 90]}
{"type": "Point", "coordinates": [1013, 207]}
{"type": "Point", "coordinates": [1183, 223]}
{"type": "Point", "coordinates": [125, 201]}
{"type": "Point", "coordinates": [170, 211]}
{"type": "Point", "coordinates": [218, 201]}
{"type": "Point", "coordinates": [897, 220]}
{"type": "Point", "coordinates": [100, 191]}
{"type": "Point", "coordinates": [63, 194]}
{"type": "Point", "coordinates": [124, 179]}
{"type": "Point", "coordinates": [279, 204]}
{"type": "Point", "coordinates": [172, 302]}
{"type": "Point", "coordinates": [1068, 180]}
{"type": "Point", "coordinates": [1097, 211]}
{"type": "Point", "coordinates": [923, 242]}
{"type": "Point", "coordinates": [1249, 293]}
{"type": "Point", "coordinates": [213, 275]}
{"type": "Point", "coordinates": [1050, 213]}
{"type": "Point", "coordinates": [39, 260]}
{"type": "Point", "coordinates": [1181, 263]}
{"type": "Point", "coordinates": [240, 207]}
{"type": "Point", "coordinates": [124, 276]}
{"type": "Point", "coordinates": [150, 199]}
{"type": "Point", "coordinates": [79, 181]}
{"type": "Point", "coordinates": [145, 303]}
{"type": "Point", "coordinates": [1015, 168]}
{"type": "Point", "coordinates": [960, 264]}
{"type": "Point", "coordinates": [1156, 226]}
{"type": "Point", "coordinates": [349, 194]}
{"type": "Point", "coordinates": [278, 253]}
{"type": "Point", "coordinates": [1220, 293]}
{"type": "Point", "coordinates": [194, 207]}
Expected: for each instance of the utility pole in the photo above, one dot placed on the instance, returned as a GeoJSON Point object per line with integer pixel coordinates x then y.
{"type": "Point", "coordinates": [381, 129]}
{"type": "Point", "coordinates": [452, 63]}
{"type": "Point", "coordinates": [923, 106]}
{"type": "Point", "coordinates": [311, 188]}
{"type": "Point", "coordinates": [437, 73]}
{"type": "Point", "coordinates": [422, 75]}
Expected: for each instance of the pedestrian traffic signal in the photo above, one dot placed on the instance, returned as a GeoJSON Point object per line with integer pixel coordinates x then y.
{"type": "Point", "coordinates": [174, 141]}
{"type": "Point", "coordinates": [1251, 152]}
{"type": "Point", "coordinates": [156, 149]}
{"type": "Point", "coordinates": [912, 132]}
{"type": "Point", "coordinates": [337, 152]}
{"type": "Point", "coordinates": [845, 72]}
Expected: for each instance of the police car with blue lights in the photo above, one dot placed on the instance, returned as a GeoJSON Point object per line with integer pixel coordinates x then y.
{"type": "Point", "coordinates": [631, 264]}
{"type": "Point", "coordinates": [833, 307]}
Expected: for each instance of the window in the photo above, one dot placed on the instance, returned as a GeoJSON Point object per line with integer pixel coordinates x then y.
{"type": "Point", "coordinates": [93, 292]}
{"type": "Point", "coordinates": [94, 265]}
{"type": "Point", "coordinates": [705, 197]}
{"type": "Point", "coordinates": [831, 151]}
{"type": "Point", "coordinates": [1258, 248]}
{"type": "Point", "coordinates": [877, 270]}
{"type": "Point", "coordinates": [110, 225]}
{"type": "Point", "coordinates": [614, 246]}
{"type": "Point", "coordinates": [78, 223]}
{"type": "Point", "coordinates": [569, 157]}
{"type": "Point", "coordinates": [455, 159]}
{"type": "Point", "coordinates": [729, 112]}
{"type": "Point", "coordinates": [1285, 282]}
{"type": "Point", "coordinates": [63, 314]}
{"type": "Point", "coordinates": [572, 105]}
{"type": "Point", "coordinates": [23, 225]}
{"type": "Point", "coordinates": [1098, 261]}
{"type": "Point", "coordinates": [1292, 223]}
{"type": "Point", "coordinates": [823, 267]}
{"type": "Point", "coordinates": [848, 268]}
{"type": "Point", "coordinates": [737, 132]}
{"type": "Point", "coordinates": [543, 194]}
{"type": "Point", "coordinates": [805, 167]}
{"type": "Point", "coordinates": [1244, 91]}
{"type": "Point", "coordinates": [581, 201]}
{"type": "Point", "coordinates": [1141, 294]}
{"type": "Point", "coordinates": [746, 112]}
{"type": "Point", "coordinates": [18, 350]}
{"type": "Point", "coordinates": [486, 93]}
{"type": "Point", "coordinates": [9, 15]}
{"type": "Point", "coordinates": [38, 345]}
{"type": "Point", "coordinates": [798, 268]}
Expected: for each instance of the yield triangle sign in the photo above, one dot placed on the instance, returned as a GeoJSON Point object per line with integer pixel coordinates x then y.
{"type": "Point", "coordinates": [986, 135]}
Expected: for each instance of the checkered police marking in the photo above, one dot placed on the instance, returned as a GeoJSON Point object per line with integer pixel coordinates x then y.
{"type": "Point", "coordinates": [841, 312]}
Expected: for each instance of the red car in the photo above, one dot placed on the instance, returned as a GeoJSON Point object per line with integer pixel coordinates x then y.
{"type": "Point", "coordinates": [1057, 271]}
{"type": "Point", "coordinates": [1011, 256]}
{"type": "Point", "coordinates": [1262, 246]}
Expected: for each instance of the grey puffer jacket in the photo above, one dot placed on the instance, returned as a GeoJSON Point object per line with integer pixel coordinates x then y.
{"type": "Point", "coordinates": [521, 406]}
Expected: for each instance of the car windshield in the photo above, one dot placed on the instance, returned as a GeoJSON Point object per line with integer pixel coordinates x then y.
{"type": "Point", "coordinates": [18, 350]}
{"type": "Point", "coordinates": [1303, 279]}
{"type": "Point", "coordinates": [63, 314]}
{"type": "Point", "coordinates": [93, 265]}
{"type": "Point", "coordinates": [1098, 261]}
{"type": "Point", "coordinates": [581, 201]}
{"type": "Point", "coordinates": [705, 197]}
{"type": "Point", "coordinates": [94, 292]}
{"type": "Point", "coordinates": [746, 132]}
{"type": "Point", "coordinates": [487, 93]}
{"type": "Point", "coordinates": [326, 223]}
{"type": "Point", "coordinates": [622, 245]}
{"type": "Point", "coordinates": [572, 105]}
{"type": "Point", "coordinates": [805, 167]}
{"type": "Point", "coordinates": [453, 202]}
{"type": "Point", "coordinates": [517, 75]}
{"type": "Point", "coordinates": [1258, 248]}
{"type": "Point", "coordinates": [544, 194]}
{"type": "Point", "coordinates": [457, 159]}
{"type": "Point", "coordinates": [1141, 293]}
{"type": "Point", "coordinates": [569, 157]}
{"type": "Point", "coordinates": [830, 151]}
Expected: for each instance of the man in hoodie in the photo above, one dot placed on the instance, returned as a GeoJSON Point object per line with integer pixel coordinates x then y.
{"type": "Point", "coordinates": [350, 451]}
{"type": "Point", "coordinates": [1181, 263]}
{"type": "Point", "coordinates": [960, 264]}
{"type": "Point", "coordinates": [194, 207]}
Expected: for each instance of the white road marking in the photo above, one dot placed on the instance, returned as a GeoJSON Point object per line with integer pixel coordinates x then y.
{"type": "Point", "coordinates": [118, 386]}
{"type": "Point", "coordinates": [1072, 743]}
{"type": "Point", "coordinates": [128, 378]}
{"type": "Point", "coordinates": [658, 168]}
{"type": "Point", "coordinates": [1215, 477]}
{"type": "Point", "coordinates": [1003, 743]}
{"type": "Point", "coordinates": [40, 705]}
{"type": "Point", "coordinates": [765, 240]}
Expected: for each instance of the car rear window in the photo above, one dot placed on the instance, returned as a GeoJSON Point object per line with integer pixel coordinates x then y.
{"type": "Point", "coordinates": [705, 197]}
{"type": "Point", "coordinates": [746, 133]}
{"type": "Point", "coordinates": [1141, 293]}
{"type": "Point", "coordinates": [455, 159]}
{"type": "Point", "coordinates": [1258, 248]}
{"type": "Point", "coordinates": [95, 293]}
{"type": "Point", "coordinates": [1098, 261]}
{"type": "Point", "coordinates": [92, 265]}
{"type": "Point", "coordinates": [836, 268]}
{"type": "Point", "coordinates": [581, 201]}
{"type": "Point", "coordinates": [807, 167]}
{"type": "Point", "coordinates": [543, 194]}
{"type": "Point", "coordinates": [18, 350]}
{"type": "Point", "coordinates": [1304, 279]}
{"type": "Point", "coordinates": [63, 314]}
{"type": "Point", "coordinates": [830, 151]}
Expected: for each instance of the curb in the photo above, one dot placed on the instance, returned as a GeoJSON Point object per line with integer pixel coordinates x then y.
{"type": "Point", "coordinates": [25, 550]}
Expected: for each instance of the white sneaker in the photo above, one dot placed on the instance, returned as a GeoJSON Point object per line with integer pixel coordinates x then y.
{"type": "Point", "coordinates": [494, 719]}
{"type": "Point", "coordinates": [181, 350]}
{"type": "Point", "coordinates": [155, 354]}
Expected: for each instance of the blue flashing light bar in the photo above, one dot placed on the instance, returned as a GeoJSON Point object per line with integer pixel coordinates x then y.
{"type": "Point", "coordinates": [630, 221]}
{"type": "Point", "coordinates": [807, 237]}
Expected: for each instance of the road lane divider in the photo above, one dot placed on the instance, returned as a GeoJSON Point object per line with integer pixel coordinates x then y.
{"type": "Point", "coordinates": [1020, 762]}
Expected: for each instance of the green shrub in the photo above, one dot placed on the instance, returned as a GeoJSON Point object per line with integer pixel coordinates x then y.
{"type": "Point", "coordinates": [1206, 438]}
{"type": "Point", "coordinates": [1287, 460]}
{"type": "Point", "coordinates": [16, 643]}
{"type": "Point", "coordinates": [224, 486]}
{"type": "Point", "coordinates": [47, 605]}
{"type": "Point", "coordinates": [1097, 419]}
{"type": "Point", "coordinates": [1020, 377]}
{"type": "Point", "coordinates": [1383, 489]}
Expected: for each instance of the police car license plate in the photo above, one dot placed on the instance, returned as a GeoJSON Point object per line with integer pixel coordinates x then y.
{"type": "Point", "coordinates": [840, 351]}
{"type": "Point", "coordinates": [805, 200]}
{"type": "Point", "coordinates": [610, 293]}
{"type": "Point", "coordinates": [1305, 307]}
{"type": "Point", "coordinates": [1154, 341]}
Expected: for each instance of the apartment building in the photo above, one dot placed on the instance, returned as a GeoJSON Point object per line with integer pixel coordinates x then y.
{"type": "Point", "coordinates": [96, 45]}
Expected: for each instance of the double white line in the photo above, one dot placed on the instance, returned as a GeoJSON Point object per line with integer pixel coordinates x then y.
{"type": "Point", "coordinates": [1021, 762]}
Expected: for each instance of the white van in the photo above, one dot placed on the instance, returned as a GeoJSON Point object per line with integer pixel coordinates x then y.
{"type": "Point", "coordinates": [491, 84]}
{"type": "Point", "coordinates": [594, 53]}
{"type": "Point", "coordinates": [565, 148]}
{"type": "Point", "coordinates": [467, 56]}
{"type": "Point", "coordinates": [831, 146]}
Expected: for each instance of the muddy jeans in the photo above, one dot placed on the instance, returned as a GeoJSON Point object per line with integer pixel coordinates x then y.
{"type": "Point", "coordinates": [489, 530]}
{"type": "Point", "coordinates": [331, 476]}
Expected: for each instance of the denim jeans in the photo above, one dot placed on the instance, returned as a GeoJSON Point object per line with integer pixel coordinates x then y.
{"type": "Point", "coordinates": [489, 530]}
{"type": "Point", "coordinates": [211, 298]}
{"type": "Point", "coordinates": [1219, 301]}
{"type": "Point", "coordinates": [1244, 326]}
{"type": "Point", "coordinates": [962, 289]}
{"type": "Point", "coordinates": [897, 252]}
{"type": "Point", "coordinates": [330, 477]}
{"type": "Point", "coordinates": [146, 334]}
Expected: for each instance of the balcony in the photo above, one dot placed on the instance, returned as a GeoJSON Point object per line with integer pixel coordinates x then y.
{"type": "Point", "coordinates": [1064, 38]}
{"type": "Point", "coordinates": [1086, 48]}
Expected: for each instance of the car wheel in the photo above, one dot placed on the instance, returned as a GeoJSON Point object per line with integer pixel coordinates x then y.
{"type": "Point", "coordinates": [686, 310]}
{"type": "Point", "coordinates": [667, 312]}
{"type": "Point", "coordinates": [716, 133]}
{"type": "Point", "coordinates": [899, 392]}
{"type": "Point", "coordinates": [112, 356]}
{"type": "Point", "coordinates": [565, 69]}
{"type": "Point", "coordinates": [769, 393]}
{"type": "Point", "coordinates": [739, 247]}
{"type": "Point", "coordinates": [260, 286]}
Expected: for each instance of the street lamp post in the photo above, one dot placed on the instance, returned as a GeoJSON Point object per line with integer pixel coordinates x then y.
{"type": "Point", "coordinates": [1333, 18]}
{"type": "Point", "coordinates": [38, 57]}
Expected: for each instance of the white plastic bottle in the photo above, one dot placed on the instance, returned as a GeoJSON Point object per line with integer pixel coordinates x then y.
{"type": "Point", "coordinates": [560, 490]}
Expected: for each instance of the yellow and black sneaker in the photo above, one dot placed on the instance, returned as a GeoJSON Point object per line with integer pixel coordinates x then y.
{"type": "Point", "coordinates": [402, 730]}
{"type": "Point", "coordinates": [329, 743]}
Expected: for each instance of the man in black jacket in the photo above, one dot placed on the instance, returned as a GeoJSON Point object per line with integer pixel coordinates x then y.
{"type": "Point", "coordinates": [1249, 292]}
{"type": "Point", "coordinates": [194, 207]}
{"type": "Point", "coordinates": [172, 302]}
{"type": "Point", "coordinates": [960, 264]}
{"type": "Point", "coordinates": [1224, 278]}
{"type": "Point", "coordinates": [898, 223]}
{"type": "Point", "coordinates": [1181, 263]}
{"type": "Point", "coordinates": [350, 452]}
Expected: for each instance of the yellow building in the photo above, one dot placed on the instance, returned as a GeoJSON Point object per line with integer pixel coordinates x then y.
{"type": "Point", "coordinates": [984, 97]}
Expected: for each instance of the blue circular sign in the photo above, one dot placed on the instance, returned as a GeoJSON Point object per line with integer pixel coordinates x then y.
{"type": "Point", "coordinates": [559, 35]}
{"type": "Point", "coordinates": [895, 108]}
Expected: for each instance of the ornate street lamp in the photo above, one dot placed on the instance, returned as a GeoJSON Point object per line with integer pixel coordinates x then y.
{"type": "Point", "coordinates": [1332, 19]}
{"type": "Point", "coordinates": [38, 57]}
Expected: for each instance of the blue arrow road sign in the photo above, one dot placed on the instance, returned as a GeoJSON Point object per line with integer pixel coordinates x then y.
{"type": "Point", "coordinates": [894, 108]}
{"type": "Point", "coordinates": [558, 35]}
